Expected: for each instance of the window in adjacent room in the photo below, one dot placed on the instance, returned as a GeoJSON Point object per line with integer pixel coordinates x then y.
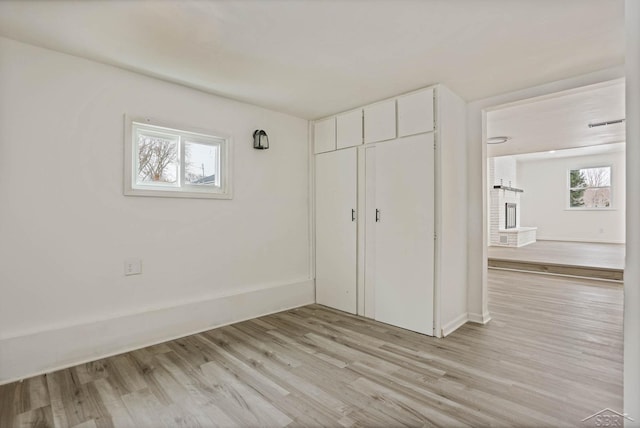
{"type": "Point", "coordinates": [590, 187]}
{"type": "Point", "coordinates": [171, 161]}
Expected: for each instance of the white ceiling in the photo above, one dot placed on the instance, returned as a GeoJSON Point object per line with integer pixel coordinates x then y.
{"type": "Point", "coordinates": [560, 121]}
{"type": "Point", "coordinates": [315, 58]}
{"type": "Point", "coordinates": [566, 153]}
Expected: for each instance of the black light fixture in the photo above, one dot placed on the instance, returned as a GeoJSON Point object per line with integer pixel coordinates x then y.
{"type": "Point", "coordinates": [260, 140]}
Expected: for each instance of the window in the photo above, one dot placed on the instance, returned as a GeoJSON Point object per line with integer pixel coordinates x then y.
{"type": "Point", "coordinates": [171, 162]}
{"type": "Point", "coordinates": [590, 187]}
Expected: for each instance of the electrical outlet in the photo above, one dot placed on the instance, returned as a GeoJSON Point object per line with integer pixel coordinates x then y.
{"type": "Point", "coordinates": [132, 267]}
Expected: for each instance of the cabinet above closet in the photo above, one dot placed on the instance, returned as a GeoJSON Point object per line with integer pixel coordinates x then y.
{"type": "Point", "coordinates": [386, 120]}
{"type": "Point", "coordinates": [349, 129]}
{"type": "Point", "coordinates": [324, 135]}
{"type": "Point", "coordinates": [415, 113]}
{"type": "Point", "coordinates": [380, 121]}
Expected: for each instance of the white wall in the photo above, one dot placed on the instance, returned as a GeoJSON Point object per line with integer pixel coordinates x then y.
{"type": "Point", "coordinates": [505, 171]}
{"type": "Point", "coordinates": [545, 200]}
{"type": "Point", "coordinates": [451, 204]}
{"type": "Point", "coordinates": [632, 265]}
{"type": "Point", "coordinates": [477, 177]}
{"type": "Point", "coordinates": [66, 228]}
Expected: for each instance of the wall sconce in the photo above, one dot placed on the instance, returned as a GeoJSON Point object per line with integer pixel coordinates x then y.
{"type": "Point", "coordinates": [260, 140]}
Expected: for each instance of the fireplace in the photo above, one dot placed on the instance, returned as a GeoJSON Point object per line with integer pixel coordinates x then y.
{"type": "Point", "coordinates": [510, 213]}
{"type": "Point", "coordinates": [504, 206]}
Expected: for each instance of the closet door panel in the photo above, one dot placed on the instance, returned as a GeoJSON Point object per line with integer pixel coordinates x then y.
{"type": "Point", "coordinates": [404, 233]}
{"type": "Point", "coordinates": [336, 229]}
{"type": "Point", "coordinates": [380, 121]}
{"type": "Point", "coordinates": [324, 135]}
{"type": "Point", "coordinates": [349, 129]}
{"type": "Point", "coordinates": [415, 113]}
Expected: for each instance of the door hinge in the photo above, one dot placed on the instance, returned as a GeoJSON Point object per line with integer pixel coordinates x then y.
{"type": "Point", "coordinates": [435, 110]}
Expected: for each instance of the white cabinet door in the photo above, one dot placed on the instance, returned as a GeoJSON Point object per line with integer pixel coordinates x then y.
{"type": "Point", "coordinates": [404, 240]}
{"type": "Point", "coordinates": [324, 135]}
{"type": "Point", "coordinates": [349, 129]}
{"type": "Point", "coordinates": [380, 121]}
{"type": "Point", "coordinates": [415, 113]}
{"type": "Point", "coordinates": [336, 229]}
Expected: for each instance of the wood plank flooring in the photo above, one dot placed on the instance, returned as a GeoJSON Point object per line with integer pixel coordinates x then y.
{"type": "Point", "coordinates": [590, 254]}
{"type": "Point", "coordinates": [551, 356]}
{"type": "Point", "coordinates": [586, 259]}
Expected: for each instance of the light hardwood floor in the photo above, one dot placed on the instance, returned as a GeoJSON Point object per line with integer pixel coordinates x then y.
{"type": "Point", "coordinates": [588, 259]}
{"type": "Point", "coordinates": [551, 356]}
{"type": "Point", "coordinates": [591, 254]}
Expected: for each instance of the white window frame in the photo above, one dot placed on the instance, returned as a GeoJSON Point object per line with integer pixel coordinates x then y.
{"type": "Point", "coordinates": [181, 189]}
{"type": "Point", "coordinates": [610, 186]}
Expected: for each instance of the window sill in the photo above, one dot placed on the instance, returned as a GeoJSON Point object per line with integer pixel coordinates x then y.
{"type": "Point", "coordinates": [592, 209]}
{"type": "Point", "coordinates": [176, 194]}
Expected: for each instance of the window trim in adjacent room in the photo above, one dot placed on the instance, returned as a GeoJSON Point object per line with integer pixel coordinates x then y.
{"type": "Point", "coordinates": [221, 189]}
{"type": "Point", "coordinates": [570, 189]}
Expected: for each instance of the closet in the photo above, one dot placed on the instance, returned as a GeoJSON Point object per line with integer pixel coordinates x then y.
{"type": "Point", "coordinates": [402, 206]}
{"type": "Point", "coordinates": [336, 192]}
{"type": "Point", "coordinates": [384, 182]}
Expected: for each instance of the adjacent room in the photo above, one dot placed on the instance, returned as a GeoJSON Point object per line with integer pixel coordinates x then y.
{"type": "Point", "coordinates": [291, 213]}
{"type": "Point", "coordinates": [556, 175]}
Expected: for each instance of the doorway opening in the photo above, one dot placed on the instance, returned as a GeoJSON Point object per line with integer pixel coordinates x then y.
{"type": "Point", "coordinates": [556, 183]}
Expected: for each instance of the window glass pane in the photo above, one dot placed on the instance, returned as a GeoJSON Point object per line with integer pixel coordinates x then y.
{"type": "Point", "coordinates": [175, 162]}
{"type": "Point", "coordinates": [576, 198]}
{"type": "Point", "coordinates": [597, 197]}
{"type": "Point", "coordinates": [590, 187]}
{"type": "Point", "coordinates": [157, 159]}
{"type": "Point", "coordinates": [590, 177]}
{"type": "Point", "coordinates": [201, 164]}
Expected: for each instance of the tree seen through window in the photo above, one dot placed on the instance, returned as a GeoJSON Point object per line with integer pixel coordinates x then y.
{"type": "Point", "coordinates": [590, 187]}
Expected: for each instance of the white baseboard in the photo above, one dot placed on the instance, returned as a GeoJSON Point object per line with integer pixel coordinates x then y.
{"type": "Point", "coordinates": [480, 318]}
{"type": "Point", "coordinates": [453, 325]}
{"type": "Point", "coordinates": [49, 350]}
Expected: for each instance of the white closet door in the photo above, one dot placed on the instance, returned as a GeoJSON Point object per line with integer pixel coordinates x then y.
{"type": "Point", "coordinates": [404, 240]}
{"type": "Point", "coordinates": [336, 229]}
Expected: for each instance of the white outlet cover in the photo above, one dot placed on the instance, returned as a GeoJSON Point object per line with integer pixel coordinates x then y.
{"type": "Point", "coordinates": [132, 267]}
